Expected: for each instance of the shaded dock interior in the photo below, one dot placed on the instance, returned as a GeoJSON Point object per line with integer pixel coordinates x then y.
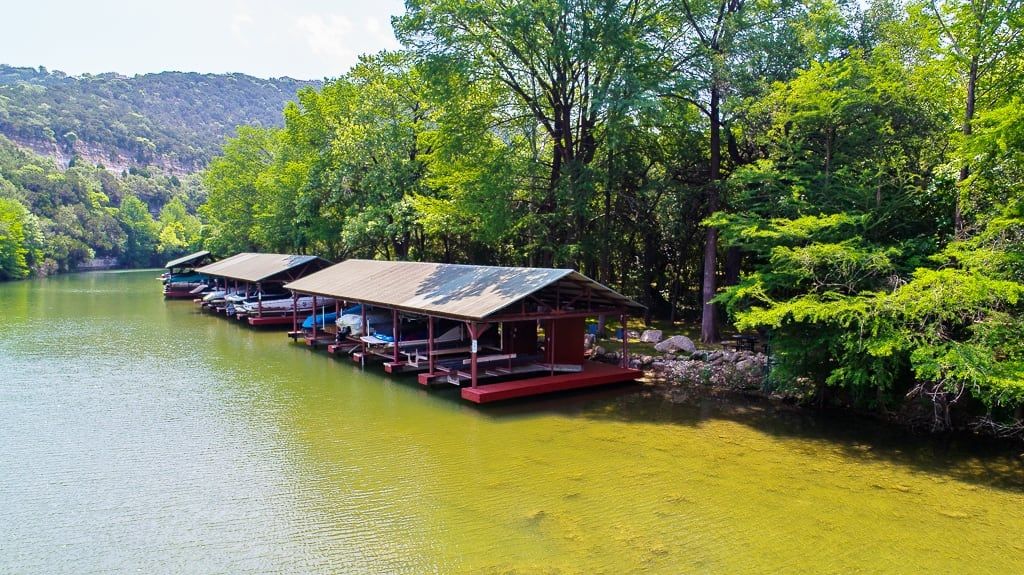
{"type": "Point", "coordinates": [251, 277]}
{"type": "Point", "coordinates": [182, 278]}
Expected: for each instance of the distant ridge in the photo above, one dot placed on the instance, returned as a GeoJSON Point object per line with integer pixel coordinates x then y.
{"type": "Point", "coordinates": [172, 120]}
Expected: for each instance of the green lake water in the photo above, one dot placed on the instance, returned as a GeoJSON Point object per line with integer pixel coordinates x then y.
{"type": "Point", "coordinates": [138, 435]}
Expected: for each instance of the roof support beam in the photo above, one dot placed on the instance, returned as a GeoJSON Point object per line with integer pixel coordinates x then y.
{"type": "Point", "coordinates": [555, 315]}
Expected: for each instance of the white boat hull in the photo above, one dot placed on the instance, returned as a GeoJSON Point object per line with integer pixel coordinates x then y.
{"type": "Point", "coordinates": [283, 306]}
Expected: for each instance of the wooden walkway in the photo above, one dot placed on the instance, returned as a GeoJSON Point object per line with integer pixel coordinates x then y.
{"type": "Point", "coordinates": [593, 374]}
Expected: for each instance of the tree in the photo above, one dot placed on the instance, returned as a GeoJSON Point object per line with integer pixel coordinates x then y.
{"type": "Point", "coordinates": [567, 64]}
{"type": "Point", "coordinates": [845, 230]}
{"type": "Point", "coordinates": [13, 249]}
{"type": "Point", "coordinates": [232, 180]}
{"type": "Point", "coordinates": [140, 233]}
{"type": "Point", "coordinates": [179, 231]}
{"type": "Point", "coordinates": [712, 43]}
{"type": "Point", "coordinates": [981, 42]}
{"type": "Point", "coordinates": [379, 167]}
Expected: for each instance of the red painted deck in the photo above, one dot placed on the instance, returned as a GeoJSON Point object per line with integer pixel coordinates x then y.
{"type": "Point", "coordinates": [340, 348]}
{"type": "Point", "coordinates": [318, 340]}
{"type": "Point", "coordinates": [179, 294]}
{"type": "Point", "coordinates": [593, 374]}
{"type": "Point", "coordinates": [270, 320]}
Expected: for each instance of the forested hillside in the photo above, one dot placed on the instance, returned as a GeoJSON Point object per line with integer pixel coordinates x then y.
{"type": "Point", "coordinates": [173, 120]}
{"type": "Point", "coordinates": [844, 177]}
{"type": "Point", "coordinates": [52, 219]}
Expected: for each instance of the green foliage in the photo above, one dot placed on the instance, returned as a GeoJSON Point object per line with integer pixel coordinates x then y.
{"type": "Point", "coordinates": [827, 142]}
{"type": "Point", "coordinates": [232, 181]}
{"type": "Point", "coordinates": [172, 119]}
{"type": "Point", "coordinates": [13, 245]}
{"type": "Point", "coordinates": [83, 212]}
{"type": "Point", "coordinates": [566, 69]}
{"type": "Point", "coordinates": [842, 217]}
{"type": "Point", "coordinates": [180, 231]}
{"type": "Point", "coordinates": [140, 232]}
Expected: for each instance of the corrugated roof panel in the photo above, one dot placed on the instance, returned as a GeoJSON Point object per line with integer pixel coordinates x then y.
{"type": "Point", "coordinates": [224, 264]}
{"type": "Point", "coordinates": [252, 267]}
{"type": "Point", "coordinates": [471, 292]}
{"type": "Point", "coordinates": [187, 259]}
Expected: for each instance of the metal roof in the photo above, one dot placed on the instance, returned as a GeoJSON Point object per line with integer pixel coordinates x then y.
{"type": "Point", "coordinates": [187, 259]}
{"type": "Point", "coordinates": [452, 290]}
{"type": "Point", "coordinates": [253, 267]}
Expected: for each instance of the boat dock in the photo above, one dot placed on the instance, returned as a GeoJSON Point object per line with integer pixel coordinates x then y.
{"type": "Point", "coordinates": [182, 280]}
{"type": "Point", "coordinates": [256, 284]}
{"type": "Point", "coordinates": [593, 374]}
{"type": "Point", "coordinates": [496, 332]}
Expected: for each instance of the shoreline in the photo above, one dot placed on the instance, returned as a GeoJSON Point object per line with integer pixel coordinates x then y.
{"type": "Point", "coordinates": [735, 378]}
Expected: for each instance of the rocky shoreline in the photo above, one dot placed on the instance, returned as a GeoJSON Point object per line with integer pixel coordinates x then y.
{"type": "Point", "coordinates": [680, 373]}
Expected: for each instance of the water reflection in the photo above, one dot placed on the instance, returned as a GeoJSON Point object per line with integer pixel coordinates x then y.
{"type": "Point", "coordinates": [986, 462]}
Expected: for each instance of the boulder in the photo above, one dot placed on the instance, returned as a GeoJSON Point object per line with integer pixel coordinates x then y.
{"type": "Point", "coordinates": [676, 343]}
{"type": "Point", "coordinates": [651, 336]}
{"type": "Point", "coordinates": [747, 365]}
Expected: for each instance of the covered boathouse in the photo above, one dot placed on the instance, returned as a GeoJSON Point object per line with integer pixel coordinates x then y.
{"type": "Point", "coordinates": [261, 277]}
{"type": "Point", "coordinates": [181, 279]}
{"type": "Point", "coordinates": [479, 325]}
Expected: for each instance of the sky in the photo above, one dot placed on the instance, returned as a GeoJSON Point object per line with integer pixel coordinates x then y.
{"type": "Point", "coordinates": [304, 39]}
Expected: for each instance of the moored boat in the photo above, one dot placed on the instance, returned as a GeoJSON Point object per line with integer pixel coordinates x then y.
{"type": "Point", "coordinates": [252, 303]}
{"type": "Point", "coordinates": [285, 305]}
{"type": "Point", "coordinates": [351, 322]}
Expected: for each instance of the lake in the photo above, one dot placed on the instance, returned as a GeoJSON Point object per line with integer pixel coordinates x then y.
{"type": "Point", "coordinates": [139, 435]}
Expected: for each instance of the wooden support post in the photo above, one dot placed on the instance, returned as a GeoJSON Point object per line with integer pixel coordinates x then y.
{"type": "Point", "coordinates": [394, 335]}
{"type": "Point", "coordinates": [430, 344]}
{"type": "Point", "coordinates": [314, 320]}
{"type": "Point", "coordinates": [337, 314]}
{"type": "Point", "coordinates": [472, 353]}
{"type": "Point", "coordinates": [551, 350]}
{"type": "Point", "coordinates": [364, 329]}
{"type": "Point", "coordinates": [259, 311]}
{"type": "Point", "coordinates": [295, 312]}
{"type": "Point", "coordinates": [625, 340]}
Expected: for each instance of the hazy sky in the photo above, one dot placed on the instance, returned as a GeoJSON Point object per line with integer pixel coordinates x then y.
{"type": "Point", "coordinates": [306, 39]}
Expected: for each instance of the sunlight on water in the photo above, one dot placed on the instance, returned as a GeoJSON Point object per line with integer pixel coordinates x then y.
{"type": "Point", "coordinates": [139, 435]}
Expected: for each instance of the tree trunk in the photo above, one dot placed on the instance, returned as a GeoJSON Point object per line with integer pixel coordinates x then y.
{"type": "Point", "coordinates": [733, 261]}
{"type": "Point", "coordinates": [709, 316]}
{"type": "Point", "coordinates": [605, 272]}
{"type": "Point", "coordinates": [965, 170]}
